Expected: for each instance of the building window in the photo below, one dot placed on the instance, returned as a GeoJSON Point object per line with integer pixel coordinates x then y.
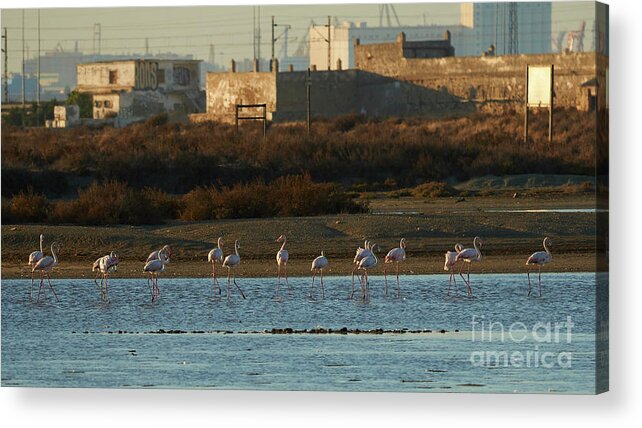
{"type": "Point", "coordinates": [108, 104]}
{"type": "Point", "coordinates": [113, 77]}
{"type": "Point", "coordinates": [98, 104]}
{"type": "Point", "coordinates": [160, 74]}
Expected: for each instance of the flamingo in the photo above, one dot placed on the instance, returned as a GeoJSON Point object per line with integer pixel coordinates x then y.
{"type": "Point", "coordinates": [366, 263]}
{"type": "Point", "coordinates": [154, 254]}
{"type": "Point", "coordinates": [232, 261]}
{"type": "Point", "coordinates": [282, 257]}
{"type": "Point", "coordinates": [318, 265]}
{"type": "Point", "coordinates": [34, 257]}
{"type": "Point", "coordinates": [469, 255]}
{"type": "Point", "coordinates": [449, 264]}
{"type": "Point", "coordinates": [105, 265]}
{"type": "Point", "coordinates": [46, 265]}
{"type": "Point", "coordinates": [359, 255]}
{"type": "Point", "coordinates": [155, 267]}
{"type": "Point", "coordinates": [539, 258]}
{"type": "Point", "coordinates": [396, 255]}
{"type": "Point", "coordinates": [216, 256]}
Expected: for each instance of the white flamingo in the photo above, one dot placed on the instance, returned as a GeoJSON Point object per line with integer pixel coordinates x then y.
{"type": "Point", "coordinates": [539, 258]}
{"type": "Point", "coordinates": [282, 257]}
{"type": "Point", "coordinates": [155, 267]}
{"type": "Point", "coordinates": [396, 256]}
{"type": "Point", "coordinates": [366, 263]}
{"type": "Point", "coordinates": [449, 265]}
{"type": "Point", "coordinates": [318, 264]}
{"type": "Point", "coordinates": [232, 262]}
{"type": "Point", "coordinates": [359, 255]}
{"type": "Point", "coordinates": [104, 266]}
{"type": "Point", "coordinates": [34, 257]}
{"type": "Point", "coordinates": [46, 265]}
{"type": "Point", "coordinates": [216, 256]}
{"type": "Point", "coordinates": [470, 255]}
{"type": "Point", "coordinates": [167, 250]}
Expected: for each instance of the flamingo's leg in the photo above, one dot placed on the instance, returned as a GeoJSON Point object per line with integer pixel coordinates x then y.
{"type": "Point", "coordinates": [31, 289]}
{"type": "Point", "coordinates": [106, 288]}
{"type": "Point", "coordinates": [461, 268]}
{"type": "Point", "coordinates": [278, 272]}
{"type": "Point", "coordinates": [450, 279]}
{"type": "Point", "coordinates": [285, 268]}
{"type": "Point", "coordinates": [352, 293]}
{"type": "Point", "coordinates": [237, 286]}
{"type": "Point", "coordinates": [539, 280]}
{"type": "Point", "coordinates": [227, 290]}
{"type": "Point", "coordinates": [470, 291]}
{"type": "Point", "coordinates": [398, 288]}
{"type": "Point", "coordinates": [314, 274]}
{"type": "Point", "coordinates": [52, 289]}
{"type": "Point", "coordinates": [385, 277]}
{"type": "Point", "coordinates": [528, 275]}
{"type": "Point", "coordinates": [322, 289]}
{"type": "Point", "coordinates": [40, 288]}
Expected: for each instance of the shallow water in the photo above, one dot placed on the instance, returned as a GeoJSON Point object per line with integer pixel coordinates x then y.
{"type": "Point", "coordinates": [76, 342]}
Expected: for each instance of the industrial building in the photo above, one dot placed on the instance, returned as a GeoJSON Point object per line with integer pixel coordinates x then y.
{"type": "Point", "coordinates": [132, 90]}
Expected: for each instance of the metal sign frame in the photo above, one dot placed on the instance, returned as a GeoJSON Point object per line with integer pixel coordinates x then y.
{"type": "Point", "coordinates": [550, 104]}
{"type": "Point", "coordinates": [263, 117]}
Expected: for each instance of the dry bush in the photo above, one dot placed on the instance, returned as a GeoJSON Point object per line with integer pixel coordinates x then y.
{"type": "Point", "coordinates": [25, 207]}
{"type": "Point", "coordinates": [434, 189]}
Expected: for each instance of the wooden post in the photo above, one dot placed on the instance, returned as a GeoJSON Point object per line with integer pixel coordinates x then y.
{"type": "Point", "coordinates": [551, 106]}
{"type": "Point", "coordinates": [264, 119]}
{"type": "Point", "coordinates": [236, 118]}
{"type": "Point", "coordinates": [308, 83]}
{"type": "Point", "coordinates": [526, 109]}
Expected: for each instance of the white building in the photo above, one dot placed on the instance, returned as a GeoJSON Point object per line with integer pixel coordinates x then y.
{"type": "Point", "coordinates": [132, 90]}
{"type": "Point", "coordinates": [490, 23]}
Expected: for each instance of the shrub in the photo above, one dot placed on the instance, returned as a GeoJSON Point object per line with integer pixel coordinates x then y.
{"type": "Point", "coordinates": [26, 207]}
{"type": "Point", "coordinates": [434, 189]}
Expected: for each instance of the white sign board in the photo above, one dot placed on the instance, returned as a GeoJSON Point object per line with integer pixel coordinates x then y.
{"type": "Point", "coordinates": [539, 86]}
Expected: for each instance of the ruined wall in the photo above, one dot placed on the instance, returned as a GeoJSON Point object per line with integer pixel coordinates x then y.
{"type": "Point", "coordinates": [95, 77]}
{"type": "Point", "coordinates": [489, 82]}
{"type": "Point", "coordinates": [225, 90]}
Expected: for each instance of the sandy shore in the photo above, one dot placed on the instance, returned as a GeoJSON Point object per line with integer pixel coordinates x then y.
{"type": "Point", "coordinates": [430, 229]}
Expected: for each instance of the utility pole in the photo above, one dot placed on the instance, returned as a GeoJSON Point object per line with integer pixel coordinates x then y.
{"type": "Point", "coordinates": [329, 45]}
{"type": "Point", "coordinates": [258, 33]}
{"type": "Point", "coordinates": [254, 32]}
{"type": "Point", "coordinates": [38, 81]}
{"type": "Point", "coordinates": [308, 83]}
{"type": "Point", "coordinates": [23, 67]}
{"type": "Point", "coordinates": [273, 39]}
{"type": "Point", "coordinates": [5, 73]}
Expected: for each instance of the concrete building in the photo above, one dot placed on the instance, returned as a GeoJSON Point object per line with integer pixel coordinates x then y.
{"type": "Point", "coordinates": [342, 39]}
{"type": "Point", "coordinates": [489, 24]}
{"type": "Point", "coordinates": [132, 90]}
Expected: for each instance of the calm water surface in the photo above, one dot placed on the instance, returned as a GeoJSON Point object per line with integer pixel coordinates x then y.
{"type": "Point", "coordinates": [76, 342]}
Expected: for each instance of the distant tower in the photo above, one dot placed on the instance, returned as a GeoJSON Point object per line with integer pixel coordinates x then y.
{"type": "Point", "coordinates": [513, 30]}
{"type": "Point", "coordinates": [211, 58]}
{"type": "Point", "coordinates": [97, 37]}
{"type": "Point", "coordinates": [146, 46]}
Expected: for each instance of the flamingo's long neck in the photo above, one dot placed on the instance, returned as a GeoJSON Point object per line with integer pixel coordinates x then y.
{"type": "Point", "coordinates": [284, 241]}
{"type": "Point", "coordinates": [218, 243]}
{"type": "Point", "coordinates": [546, 247]}
{"type": "Point", "coordinates": [402, 243]}
{"type": "Point", "coordinates": [53, 253]}
{"type": "Point", "coordinates": [41, 241]}
{"type": "Point", "coordinates": [477, 248]}
{"type": "Point", "coordinates": [236, 247]}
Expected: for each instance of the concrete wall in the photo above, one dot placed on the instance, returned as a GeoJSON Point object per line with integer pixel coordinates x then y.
{"type": "Point", "coordinates": [225, 90]}
{"type": "Point", "coordinates": [489, 82]}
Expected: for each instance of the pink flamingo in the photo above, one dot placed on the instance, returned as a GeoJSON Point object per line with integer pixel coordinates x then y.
{"type": "Point", "coordinates": [470, 255]}
{"type": "Point", "coordinates": [34, 257]}
{"type": "Point", "coordinates": [318, 264]}
{"type": "Point", "coordinates": [216, 256]}
{"type": "Point", "coordinates": [396, 255]}
{"type": "Point", "coordinates": [104, 266]}
{"type": "Point", "coordinates": [46, 265]}
{"type": "Point", "coordinates": [167, 250]}
{"type": "Point", "coordinates": [539, 258]}
{"type": "Point", "coordinates": [366, 263]}
{"type": "Point", "coordinates": [282, 257]}
{"type": "Point", "coordinates": [155, 267]}
{"type": "Point", "coordinates": [232, 262]}
{"type": "Point", "coordinates": [449, 265]}
{"type": "Point", "coordinates": [359, 255]}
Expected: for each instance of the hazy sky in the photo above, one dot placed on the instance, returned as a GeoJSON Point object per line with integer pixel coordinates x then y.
{"type": "Point", "coordinates": [191, 29]}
